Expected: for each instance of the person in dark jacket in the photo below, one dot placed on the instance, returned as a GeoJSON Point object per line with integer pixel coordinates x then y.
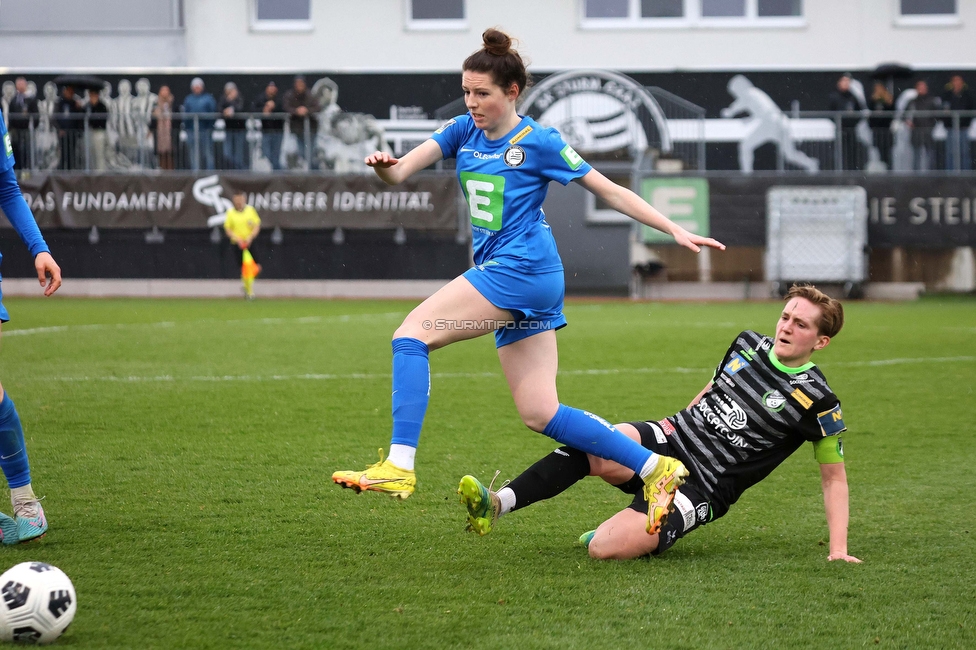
{"type": "Point", "coordinates": [97, 113]}
{"type": "Point", "coordinates": [200, 131]}
{"type": "Point", "coordinates": [70, 118]}
{"type": "Point", "coordinates": [302, 106]}
{"type": "Point", "coordinates": [843, 100]}
{"type": "Point", "coordinates": [269, 103]}
{"type": "Point", "coordinates": [882, 102]}
{"type": "Point", "coordinates": [922, 125]}
{"type": "Point", "coordinates": [231, 107]}
{"type": "Point", "coordinates": [957, 97]}
{"type": "Point", "coordinates": [22, 112]}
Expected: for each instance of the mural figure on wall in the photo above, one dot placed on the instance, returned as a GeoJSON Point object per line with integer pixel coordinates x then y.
{"type": "Point", "coordinates": [46, 154]}
{"type": "Point", "coordinates": [141, 110]}
{"type": "Point", "coordinates": [6, 96]}
{"type": "Point", "coordinates": [354, 136]}
{"type": "Point", "coordinates": [766, 123]}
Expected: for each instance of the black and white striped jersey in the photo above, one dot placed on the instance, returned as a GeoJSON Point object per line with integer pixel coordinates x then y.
{"type": "Point", "coordinates": [755, 414]}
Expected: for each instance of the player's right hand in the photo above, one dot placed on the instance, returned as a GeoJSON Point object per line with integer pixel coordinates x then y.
{"type": "Point", "coordinates": [381, 159]}
{"type": "Point", "coordinates": [48, 273]}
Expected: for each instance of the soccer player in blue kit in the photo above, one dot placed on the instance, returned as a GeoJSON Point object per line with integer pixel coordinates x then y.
{"type": "Point", "coordinates": [29, 522]}
{"type": "Point", "coordinates": [504, 163]}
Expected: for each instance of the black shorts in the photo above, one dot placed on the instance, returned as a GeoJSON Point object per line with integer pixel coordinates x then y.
{"type": "Point", "coordinates": [691, 508]}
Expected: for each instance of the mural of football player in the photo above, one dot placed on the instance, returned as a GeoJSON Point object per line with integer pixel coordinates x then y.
{"type": "Point", "coordinates": [141, 109]}
{"type": "Point", "coordinates": [766, 123]}
{"type": "Point", "coordinates": [46, 155]}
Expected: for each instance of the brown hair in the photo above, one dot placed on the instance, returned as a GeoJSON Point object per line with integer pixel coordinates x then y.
{"type": "Point", "coordinates": [831, 311]}
{"type": "Point", "coordinates": [500, 59]}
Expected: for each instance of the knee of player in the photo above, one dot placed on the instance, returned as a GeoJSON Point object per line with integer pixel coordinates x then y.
{"type": "Point", "coordinates": [600, 548]}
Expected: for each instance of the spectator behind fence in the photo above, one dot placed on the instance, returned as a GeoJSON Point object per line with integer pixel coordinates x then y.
{"type": "Point", "coordinates": [881, 101]}
{"type": "Point", "coordinates": [302, 106]}
{"type": "Point", "coordinates": [957, 97]}
{"type": "Point", "coordinates": [843, 100]}
{"type": "Point", "coordinates": [200, 132]}
{"type": "Point", "coordinates": [268, 104]}
{"type": "Point", "coordinates": [923, 145]}
{"type": "Point", "coordinates": [163, 114]}
{"type": "Point", "coordinates": [231, 108]}
{"type": "Point", "coordinates": [97, 134]}
{"type": "Point", "coordinates": [69, 114]}
{"type": "Point", "coordinates": [22, 110]}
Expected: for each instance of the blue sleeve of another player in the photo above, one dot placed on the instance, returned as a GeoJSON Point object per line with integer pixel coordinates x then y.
{"type": "Point", "coordinates": [449, 136]}
{"type": "Point", "coordinates": [13, 205]}
{"type": "Point", "coordinates": [7, 159]}
{"type": "Point", "coordinates": [560, 162]}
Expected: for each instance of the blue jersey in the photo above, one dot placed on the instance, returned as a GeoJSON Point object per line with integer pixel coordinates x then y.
{"type": "Point", "coordinates": [504, 183]}
{"type": "Point", "coordinates": [7, 159]}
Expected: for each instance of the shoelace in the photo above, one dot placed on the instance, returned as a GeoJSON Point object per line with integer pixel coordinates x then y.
{"type": "Point", "coordinates": [380, 450]}
{"type": "Point", "coordinates": [30, 509]}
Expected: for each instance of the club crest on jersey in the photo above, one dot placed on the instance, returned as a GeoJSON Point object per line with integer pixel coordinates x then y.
{"type": "Point", "coordinates": [774, 401]}
{"type": "Point", "coordinates": [514, 156]}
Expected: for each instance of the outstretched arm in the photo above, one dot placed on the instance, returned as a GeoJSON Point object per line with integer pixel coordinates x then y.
{"type": "Point", "coordinates": [625, 201]}
{"type": "Point", "coordinates": [394, 170]}
{"type": "Point", "coordinates": [833, 479]}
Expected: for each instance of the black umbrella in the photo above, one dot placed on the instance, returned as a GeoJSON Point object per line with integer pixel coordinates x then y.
{"type": "Point", "coordinates": [892, 71]}
{"type": "Point", "coordinates": [80, 81]}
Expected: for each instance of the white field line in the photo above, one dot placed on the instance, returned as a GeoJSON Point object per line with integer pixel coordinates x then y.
{"type": "Point", "coordinates": [344, 318]}
{"type": "Point", "coordinates": [468, 375]}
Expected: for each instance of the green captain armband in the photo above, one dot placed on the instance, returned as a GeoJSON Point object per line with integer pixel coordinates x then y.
{"type": "Point", "coordinates": [829, 450]}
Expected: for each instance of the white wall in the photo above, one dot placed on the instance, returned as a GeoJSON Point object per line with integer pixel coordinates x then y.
{"type": "Point", "coordinates": [370, 35]}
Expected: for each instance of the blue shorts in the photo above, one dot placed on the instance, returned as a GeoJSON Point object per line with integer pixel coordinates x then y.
{"type": "Point", "coordinates": [4, 316]}
{"type": "Point", "coordinates": [535, 300]}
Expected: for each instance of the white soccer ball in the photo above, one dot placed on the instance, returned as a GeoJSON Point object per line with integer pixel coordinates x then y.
{"type": "Point", "coordinates": [37, 603]}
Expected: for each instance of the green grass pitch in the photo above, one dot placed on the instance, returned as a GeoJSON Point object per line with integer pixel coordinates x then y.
{"type": "Point", "coordinates": [185, 450]}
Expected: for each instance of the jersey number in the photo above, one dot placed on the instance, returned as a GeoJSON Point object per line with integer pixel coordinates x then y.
{"type": "Point", "coordinates": [486, 199]}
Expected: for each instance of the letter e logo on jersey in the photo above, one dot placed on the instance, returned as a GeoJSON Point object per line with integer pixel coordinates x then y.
{"type": "Point", "coordinates": [572, 158]}
{"type": "Point", "coordinates": [7, 147]}
{"type": "Point", "coordinates": [486, 195]}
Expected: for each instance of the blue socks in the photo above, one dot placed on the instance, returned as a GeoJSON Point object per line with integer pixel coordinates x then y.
{"type": "Point", "coordinates": [594, 435]}
{"type": "Point", "coordinates": [13, 453]}
{"type": "Point", "coordinates": [411, 390]}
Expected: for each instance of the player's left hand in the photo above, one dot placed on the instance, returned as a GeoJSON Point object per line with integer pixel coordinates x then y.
{"type": "Point", "coordinates": [48, 273]}
{"type": "Point", "coordinates": [695, 242]}
{"type": "Point", "coordinates": [845, 557]}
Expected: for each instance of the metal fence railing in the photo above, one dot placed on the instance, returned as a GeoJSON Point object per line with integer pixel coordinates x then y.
{"type": "Point", "coordinates": [805, 142]}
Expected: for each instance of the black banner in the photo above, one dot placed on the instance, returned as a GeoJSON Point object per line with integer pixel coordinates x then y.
{"type": "Point", "coordinates": [916, 211]}
{"type": "Point", "coordinates": [305, 201]}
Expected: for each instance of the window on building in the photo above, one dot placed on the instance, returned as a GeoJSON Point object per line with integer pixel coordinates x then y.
{"type": "Point", "coordinates": [723, 8]}
{"type": "Point", "coordinates": [603, 14]}
{"type": "Point", "coordinates": [74, 16]}
{"type": "Point", "coordinates": [662, 8]}
{"type": "Point", "coordinates": [928, 7]}
{"type": "Point", "coordinates": [282, 15]}
{"type": "Point", "coordinates": [437, 14]}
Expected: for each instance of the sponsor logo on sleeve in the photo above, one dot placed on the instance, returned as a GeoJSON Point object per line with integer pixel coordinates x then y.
{"type": "Point", "coordinates": [7, 147]}
{"type": "Point", "coordinates": [735, 364]}
{"type": "Point", "coordinates": [667, 427]}
{"type": "Point", "coordinates": [445, 125]}
{"type": "Point", "coordinates": [572, 158]}
{"type": "Point", "coordinates": [832, 421]}
{"type": "Point", "coordinates": [514, 156]}
{"type": "Point", "coordinates": [802, 398]}
{"type": "Point", "coordinates": [802, 378]}
{"type": "Point", "coordinates": [774, 401]}
{"type": "Point", "coordinates": [702, 510]}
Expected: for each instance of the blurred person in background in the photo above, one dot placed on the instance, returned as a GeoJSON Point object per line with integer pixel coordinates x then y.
{"type": "Point", "coordinates": [231, 107]}
{"type": "Point", "coordinates": [957, 97]}
{"type": "Point", "coordinates": [881, 101]}
{"type": "Point", "coordinates": [163, 115]}
{"type": "Point", "coordinates": [302, 105]}
{"type": "Point", "coordinates": [923, 145]}
{"type": "Point", "coordinates": [22, 110]}
{"type": "Point", "coordinates": [200, 105]}
{"type": "Point", "coordinates": [268, 104]}
{"type": "Point", "coordinates": [97, 130]}
{"type": "Point", "coordinates": [69, 115]}
{"type": "Point", "coordinates": [29, 521]}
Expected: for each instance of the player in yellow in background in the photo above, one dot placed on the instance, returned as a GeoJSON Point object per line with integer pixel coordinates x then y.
{"type": "Point", "coordinates": [242, 225]}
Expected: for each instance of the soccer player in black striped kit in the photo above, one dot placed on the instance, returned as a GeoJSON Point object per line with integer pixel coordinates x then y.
{"type": "Point", "coordinates": [764, 401]}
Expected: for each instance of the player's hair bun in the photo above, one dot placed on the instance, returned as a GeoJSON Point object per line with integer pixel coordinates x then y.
{"type": "Point", "coordinates": [496, 42]}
